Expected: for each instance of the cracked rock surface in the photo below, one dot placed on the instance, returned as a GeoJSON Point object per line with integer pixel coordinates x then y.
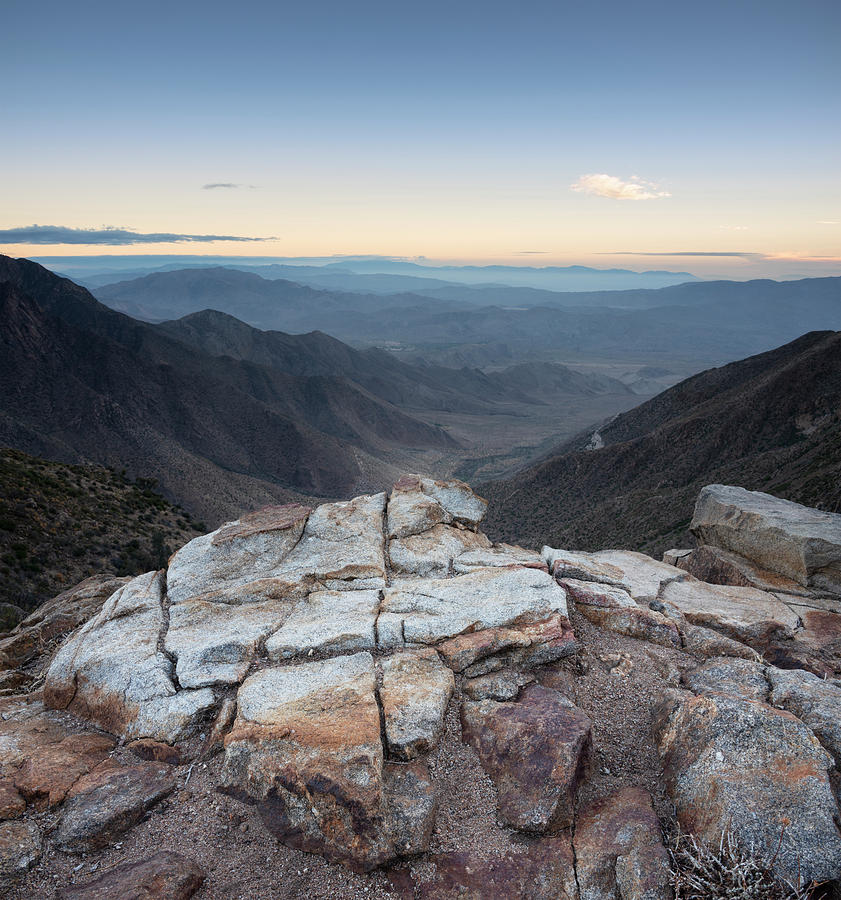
{"type": "Point", "coordinates": [370, 698]}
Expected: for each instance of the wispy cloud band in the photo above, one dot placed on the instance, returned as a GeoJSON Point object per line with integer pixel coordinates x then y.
{"type": "Point", "coordinates": [603, 185]}
{"type": "Point", "coordinates": [59, 234]}
{"type": "Point", "coordinates": [226, 185]}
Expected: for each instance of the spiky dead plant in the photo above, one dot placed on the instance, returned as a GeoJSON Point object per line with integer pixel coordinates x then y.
{"type": "Point", "coordinates": [728, 872]}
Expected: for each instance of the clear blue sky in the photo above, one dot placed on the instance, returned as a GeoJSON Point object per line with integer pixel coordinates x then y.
{"type": "Point", "coordinates": [454, 130]}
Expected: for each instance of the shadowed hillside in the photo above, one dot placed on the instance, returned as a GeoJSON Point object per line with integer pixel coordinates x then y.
{"type": "Point", "coordinates": [61, 523]}
{"type": "Point", "coordinates": [771, 422]}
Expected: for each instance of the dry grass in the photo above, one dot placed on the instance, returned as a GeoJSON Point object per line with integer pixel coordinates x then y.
{"type": "Point", "coordinates": [728, 872]}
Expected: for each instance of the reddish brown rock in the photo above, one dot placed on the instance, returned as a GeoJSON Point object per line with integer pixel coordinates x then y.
{"type": "Point", "coordinates": [164, 876]}
{"type": "Point", "coordinates": [533, 869]}
{"type": "Point", "coordinates": [536, 751]}
{"type": "Point", "coordinates": [51, 769]}
{"type": "Point", "coordinates": [523, 645]}
{"type": "Point", "coordinates": [817, 645]}
{"type": "Point", "coordinates": [306, 748]}
{"type": "Point", "coordinates": [737, 765]}
{"type": "Point", "coordinates": [717, 566]}
{"type": "Point", "coordinates": [619, 849]}
{"type": "Point", "coordinates": [12, 803]}
{"type": "Point", "coordinates": [110, 801]}
{"type": "Point", "coordinates": [56, 618]}
{"type": "Point", "coordinates": [155, 751]}
{"type": "Point", "coordinates": [701, 641]}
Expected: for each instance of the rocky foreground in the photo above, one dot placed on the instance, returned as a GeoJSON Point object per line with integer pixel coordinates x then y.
{"type": "Point", "coordinates": [372, 699]}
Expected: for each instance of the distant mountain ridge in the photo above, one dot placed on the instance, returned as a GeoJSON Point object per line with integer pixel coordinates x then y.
{"type": "Point", "coordinates": [771, 422]}
{"type": "Point", "coordinates": [465, 389]}
{"type": "Point", "coordinates": [711, 322]}
{"type": "Point", "coordinates": [79, 382]}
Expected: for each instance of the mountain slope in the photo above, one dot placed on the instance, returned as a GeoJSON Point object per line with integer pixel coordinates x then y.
{"type": "Point", "coordinates": [383, 375]}
{"type": "Point", "coordinates": [62, 523]}
{"type": "Point", "coordinates": [771, 422]}
{"type": "Point", "coordinates": [81, 382]}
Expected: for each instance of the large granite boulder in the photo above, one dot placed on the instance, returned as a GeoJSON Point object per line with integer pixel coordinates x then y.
{"type": "Point", "coordinates": [799, 542]}
{"type": "Point", "coordinates": [738, 765]}
{"type": "Point", "coordinates": [313, 646]}
{"type": "Point", "coordinates": [815, 701]}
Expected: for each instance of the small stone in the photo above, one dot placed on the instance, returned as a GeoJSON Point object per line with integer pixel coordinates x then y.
{"type": "Point", "coordinates": [20, 848]}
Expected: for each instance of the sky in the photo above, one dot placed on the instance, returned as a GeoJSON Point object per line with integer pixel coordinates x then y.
{"type": "Point", "coordinates": [689, 136]}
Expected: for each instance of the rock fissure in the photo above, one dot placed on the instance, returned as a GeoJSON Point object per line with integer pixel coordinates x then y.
{"type": "Point", "coordinates": [323, 665]}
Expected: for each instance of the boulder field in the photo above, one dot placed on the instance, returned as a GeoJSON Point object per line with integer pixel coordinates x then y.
{"type": "Point", "coordinates": [374, 688]}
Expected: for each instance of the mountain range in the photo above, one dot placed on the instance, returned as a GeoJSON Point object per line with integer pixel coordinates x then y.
{"type": "Point", "coordinates": [224, 416]}
{"type": "Point", "coordinates": [711, 322]}
{"type": "Point", "coordinates": [771, 422]}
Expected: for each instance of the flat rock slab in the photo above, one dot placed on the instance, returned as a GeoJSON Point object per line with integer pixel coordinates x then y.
{"type": "Point", "coordinates": [760, 772]}
{"type": "Point", "coordinates": [814, 700]}
{"type": "Point", "coordinates": [582, 566]}
{"type": "Point", "coordinates": [744, 614]}
{"type": "Point", "coordinates": [619, 849]}
{"type": "Point", "coordinates": [498, 555]}
{"type": "Point", "coordinates": [416, 688]}
{"type": "Point", "coordinates": [740, 677]}
{"type": "Point", "coordinates": [165, 875]}
{"type": "Point", "coordinates": [642, 576]}
{"type": "Point", "coordinates": [802, 543]}
{"type": "Point", "coordinates": [215, 643]}
{"type": "Point", "coordinates": [20, 849]}
{"type": "Point", "coordinates": [112, 672]}
{"type": "Point", "coordinates": [338, 622]}
{"type": "Point", "coordinates": [306, 747]}
{"type": "Point", "coordinates": [338, 546]}
{"type": "Point", "coordinates": [536, 751]}
{"type": "Point", "coordinates": [537, 869]}
{"type": "Point", "coordinates": [108, 802]}
{"type": "Point", "coordinates": [250, 549]}
{"type": "Point", "coordinates": [432, 610]}
{"type": "Point", "coordinates": [432, 553]}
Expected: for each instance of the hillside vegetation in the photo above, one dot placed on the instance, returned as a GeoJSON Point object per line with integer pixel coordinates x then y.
{"type": "Point", "coordinates": [61, 523]}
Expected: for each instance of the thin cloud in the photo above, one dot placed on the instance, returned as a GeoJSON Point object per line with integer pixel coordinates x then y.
{"type": "Point", "coordinates": [829, 222]}
{"type": "Point", "coordinates": [737, 253]}
{"type": "Point", "coordinates": [59, 234]}
{"type": "Point", "coordinates": [228, 186]}
{"type": "Point", "coordinates": [602, 185]}
{"type": "Point", "coordinates": [733, 227]}
{"type": "Point", "coordinates": [531, 252]}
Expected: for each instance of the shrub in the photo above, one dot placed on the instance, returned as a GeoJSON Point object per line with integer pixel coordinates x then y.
{"type": "Point", "coordinates": [728, 872]}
